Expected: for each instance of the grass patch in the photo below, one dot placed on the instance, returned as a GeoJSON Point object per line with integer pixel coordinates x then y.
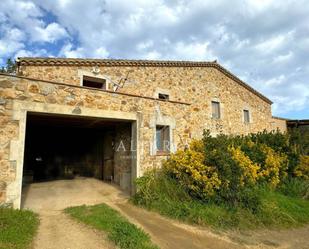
{"type": "Point", "coordinates": [119, 230]}
{"type": "Point", "coordinates": [17, 228]}
{"type": "Point", "coordinates": [295, 188]}
{"type": "Point", "coordinates": [168, 198]}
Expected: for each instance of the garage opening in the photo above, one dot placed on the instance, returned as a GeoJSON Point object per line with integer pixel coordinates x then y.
{"type": "Point", "coordinates": [67, 147]}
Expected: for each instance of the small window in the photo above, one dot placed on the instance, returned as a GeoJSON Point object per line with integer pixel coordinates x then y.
{"type": "Point", "coordinates": [163, 96]}
{"type": "Point", "coordinates": [94, 82]}
{"type": "Point", "coordinates": [246, 116]}
{"type": "Point", "coordinates": [215, 110]}
{"type": "Point", "coordinates": [162, 138]}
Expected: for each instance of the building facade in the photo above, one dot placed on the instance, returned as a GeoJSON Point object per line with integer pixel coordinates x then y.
{"type": "Point", "coordinates": [121, 117]}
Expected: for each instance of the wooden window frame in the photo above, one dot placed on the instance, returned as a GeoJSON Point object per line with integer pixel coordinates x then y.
{"type": "Point", "coordinates": [246, 115]}
{"type": "Point", "coordinates": [215, 115]}
{"type": "Point", "coordinates": [95, 80]}
{"type": "Point", "coordinates": [163, 147]}
{"type": "Point", "coordinates": [163, 96]}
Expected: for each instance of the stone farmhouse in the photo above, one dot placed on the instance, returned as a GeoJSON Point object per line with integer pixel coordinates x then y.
{"type": "Point", "coordinates": [114, 119]}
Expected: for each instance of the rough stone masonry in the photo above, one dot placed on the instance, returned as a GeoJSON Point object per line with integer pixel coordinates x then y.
{"type": "Point", "coordinates": [132, 92]}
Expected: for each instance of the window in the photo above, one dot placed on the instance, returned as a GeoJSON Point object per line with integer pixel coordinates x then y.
{"type": "Point", "coordinates": [246, 116]}
{"type": "Point", "coordinates": [215, 109]}
{"type": "Point", "coordinates": [162, 138]}
{"type": "Point", "coordinates": [94, 82]}
{"type": "Point", "coordinates": [163, 96]}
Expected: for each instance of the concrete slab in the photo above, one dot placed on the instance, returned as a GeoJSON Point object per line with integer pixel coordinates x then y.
{"type": "Point", "coordinates": [57, 195]}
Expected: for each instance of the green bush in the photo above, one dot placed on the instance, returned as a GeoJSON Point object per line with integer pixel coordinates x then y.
{"type": "Point", "coordinates": [241, 162]}
{"type": "Point", "coordinates": [188, 168]}
{"type": "Point", "coordinates": [157, 185]}
{"type": "Point", "coordinates": [299, 139]}
{"type": "Point", "coordinates": [295, 187]}
{"type": "Point", "coordinates": [228, 170]}
{"type": "Point", "coordinates": [259, 207]}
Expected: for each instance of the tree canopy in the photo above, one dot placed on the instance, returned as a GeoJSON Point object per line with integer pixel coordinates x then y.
{"type": "Point", "coordinates": [10, 67]}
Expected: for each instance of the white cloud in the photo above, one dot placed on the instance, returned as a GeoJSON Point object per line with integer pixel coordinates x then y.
{"type": "Point", "coordinates": [198, 51]}
{"type": "Point", "coordinates": [271, 44]}
{"type": "Point", "coordinates": [28, 17]}
{"type": "Point", "coordinates": [274, 82]}
{"type": "Point", "coordinates": [101, 52]}
{"type": "Point", "coordinates": [144, 45]}
{"type": "Point", "coordinates": [283, 57]}
{"type": "Point", "coordinates": [32, 53]}
{"type": "Point", "coordinates": [263, 41]}
{"type": "Point", "coordinates": [51, 33]}
{"type": "Point", "coordinates": [11, 40]}
{"type": "Point", "coordinates": [260, 5]}
{"type": "Point", "coordinates": [69, 52]}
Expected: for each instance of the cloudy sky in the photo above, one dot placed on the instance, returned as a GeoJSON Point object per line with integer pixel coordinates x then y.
{"type": "Point", "coordinates": [264, 42]}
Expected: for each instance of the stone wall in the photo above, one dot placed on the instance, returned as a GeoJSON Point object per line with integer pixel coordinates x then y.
{"type": "Point", "coordinates": [279, 124]}
{"type": "Point", "coordinates": [195, 86]}
{"type": "Point", "coordinates": [9, 129]}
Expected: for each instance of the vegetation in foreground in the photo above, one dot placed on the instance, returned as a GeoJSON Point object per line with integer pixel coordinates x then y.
{"type": "Point", "coordinates": [119, 230]}
{"type": "Point", "coordinates": [17, 227]}
{"type": "Point", "coordinates": [259, 180]}
{"type": "Point", "coordinates": [163, 194]}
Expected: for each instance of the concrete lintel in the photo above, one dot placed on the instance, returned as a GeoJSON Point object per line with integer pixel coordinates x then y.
{"type": "Point", "coordinates": [70, 110]}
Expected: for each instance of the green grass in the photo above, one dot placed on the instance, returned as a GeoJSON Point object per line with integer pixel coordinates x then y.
{"type": "Point", "coordinates": [119, 230]}
{"type": "Point", "coordinates": [166, 197]}
{"type": "Point", "coordinates": [295, 187]}
{"type": "Point", "coordinates": [283, 211]}
{"type": "Point", "coordinates": [17, 228]}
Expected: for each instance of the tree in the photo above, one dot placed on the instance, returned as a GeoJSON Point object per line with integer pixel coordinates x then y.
{"type": "Point", "coordinates": [10, 67]}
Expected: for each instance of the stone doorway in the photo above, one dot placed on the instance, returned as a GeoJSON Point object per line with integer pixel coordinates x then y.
{"type": "Point", "coordinates": [66, 147]}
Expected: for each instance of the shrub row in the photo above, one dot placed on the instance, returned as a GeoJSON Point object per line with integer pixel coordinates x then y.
{"type": "Point", "coordinates": [228, 169]}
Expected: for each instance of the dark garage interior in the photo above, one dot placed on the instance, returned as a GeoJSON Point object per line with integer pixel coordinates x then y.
{"type": "Point", "coordinates": [66, 147]}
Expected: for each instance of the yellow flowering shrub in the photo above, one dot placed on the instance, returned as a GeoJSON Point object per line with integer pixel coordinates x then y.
{"type": "Point", "coordinates": [197, 145]}
{"type": "Point", "coordinates": [250, 143]}
{"type": "Point", "coordinates": [302, 169]}
{"type": "Point", "coordinates": [188, 168]}
{"type": "Point", "coordinates": [274, 167]}
{"type": "Point", "coordinates": [271, 169]}
{"type": "Point", "coordinates": [249, 170]}
{"type": "Point", "coordinates": [226, 166]}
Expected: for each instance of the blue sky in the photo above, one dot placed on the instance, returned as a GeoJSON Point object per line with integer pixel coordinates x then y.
{"type": "Point", "coordinates": [264, 42]}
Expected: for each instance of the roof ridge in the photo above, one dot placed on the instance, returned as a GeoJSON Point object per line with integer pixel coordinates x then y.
{"type": "Point", "coordinates": [25, 59]}
{"type": "Point", "coordinates": [281, 118]}
{"type": "Point", "coordinates": [128, 62]}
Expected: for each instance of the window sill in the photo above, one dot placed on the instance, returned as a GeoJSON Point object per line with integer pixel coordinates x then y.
{"type": "Point", "coordinates": [162, 153]}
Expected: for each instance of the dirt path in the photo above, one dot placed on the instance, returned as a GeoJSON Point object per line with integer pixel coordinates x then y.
{"type": "Point", "coordinates": [171, 234]}
{"type": "Point", "coordinates": [58, 231]}
{"type": "Point", "coordinates": [291, 238]}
